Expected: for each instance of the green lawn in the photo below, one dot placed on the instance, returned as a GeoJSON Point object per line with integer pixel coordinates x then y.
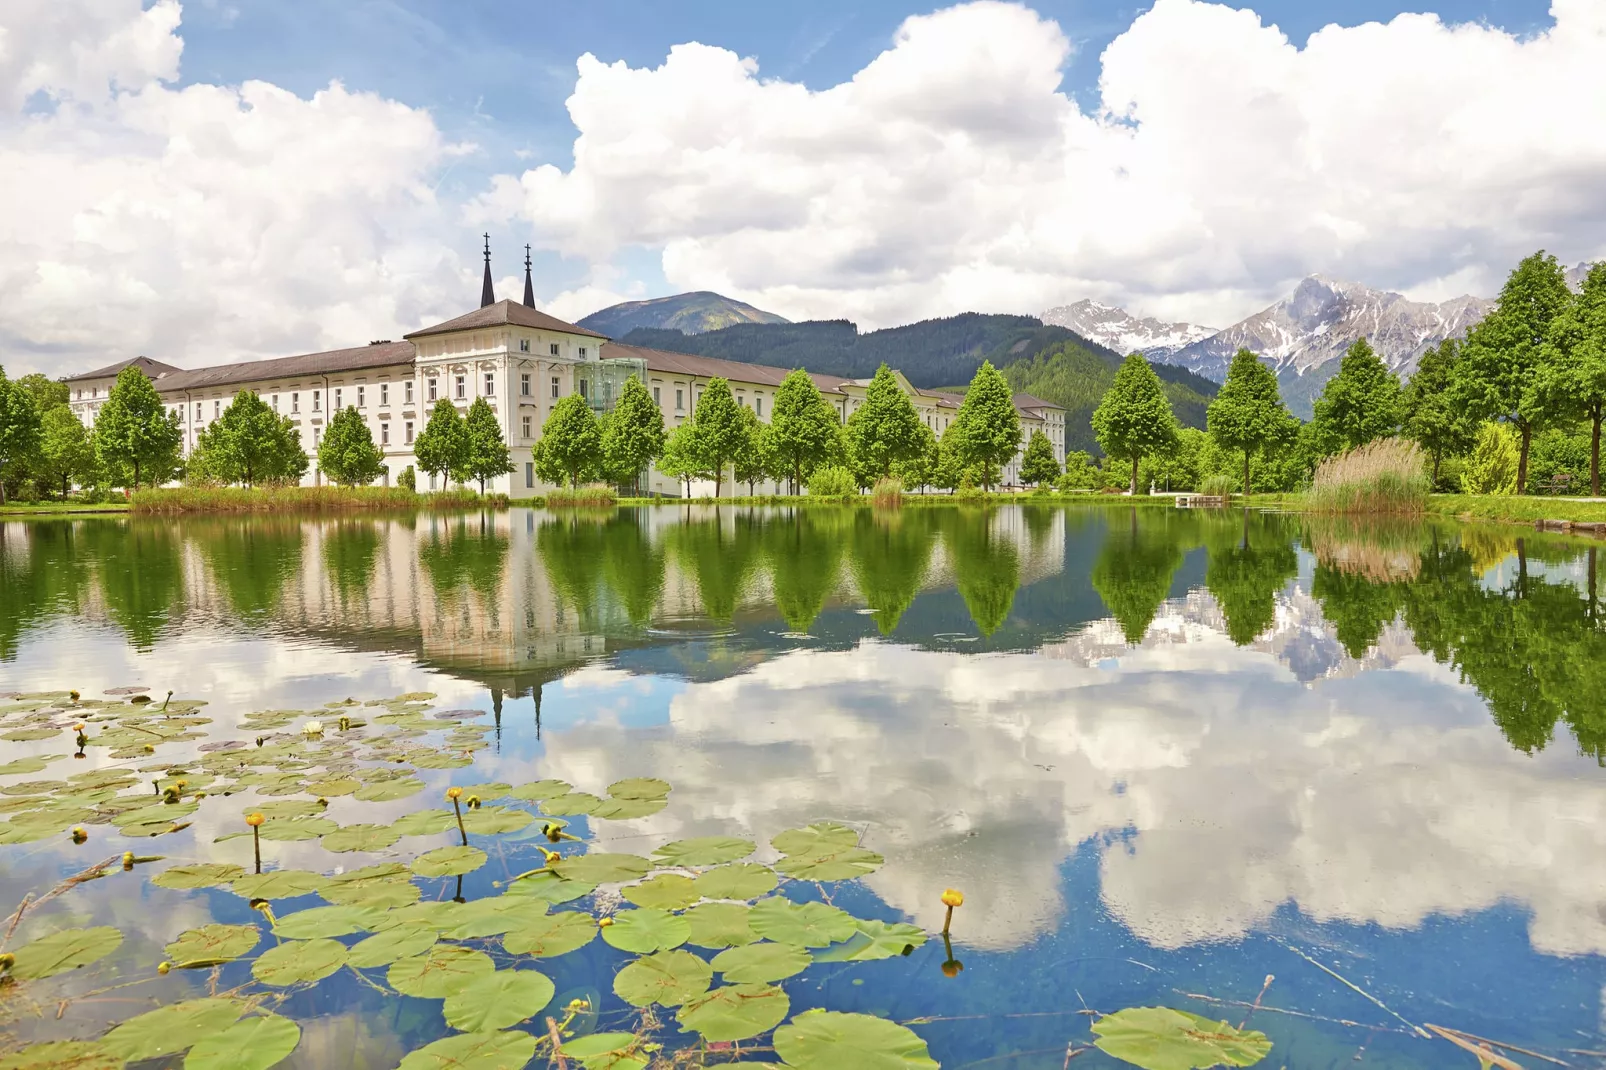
{"type": "Point", "coordinates": [1516, 509]}
{"type": "Point", "coordinates": [58, 508]}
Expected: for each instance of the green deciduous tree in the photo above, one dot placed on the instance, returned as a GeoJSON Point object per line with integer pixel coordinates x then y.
{"type": "Point", "coordinates": [570, 449]}
{"type": "Point", "coordinates": [1038, 465]}
{"type": "Point", "coordinates": [443, 447]}
{"type": "Point", "coordinates": [19, 429]}
{"type": "Point", "coordinates": [1133, 573]}
{"type": "Point", "coordinates": [921, 469]}
{"type": "Point", "coordinates": [753, 461]}
{"type": "Point", "coordinates": [1134, 420]}
{"type": "Point", "coordinates": [250, 443]}
{"type": "Point", "coordinates": [488, 455]}
{"type": "Point", "coordinates": [1492, 467]}
{"type": "Point", "coordinates": [1245, 575]}
{"type": "Point", "coordinates": [66, 452]}
{"type": "Point", "coordinates": [1359, 404]}
{"type": "Point", "coordinates": [1572, 368]}
{"type": "Point", "coordinates": [347, 453]}
{"type": "Point", "coordinates": [1428, 410]}
{"type": "Point", "coordinates": [136, 438]}
{"type": "Point", "coordinates": [721, 429]}
{"type": "Point", "coordinates": [682, 457]}
{"type": "Point", "coordinates": [633, 436]}
{"type": "Point", "coordinates": [1498, 375]}
{"type": "Point", "coordinates": [1080, 472]}
{"type": "Point", "coordinates": [986, 432]}
{"type": "Point", "coordinates": [883, 431]}
{"type": "Point", "coordinates": [1248, 416]}
{"type": "Point", "coordinates": [805, 431]}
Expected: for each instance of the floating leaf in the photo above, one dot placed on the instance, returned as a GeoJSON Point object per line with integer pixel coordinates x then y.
{"type": "Point", "coordinates": [495, 820]}
{"type": "Point", "coordinates": [703, 851]}
{"type": "Point", "coordinates": [602, 868]}
{"type": "Point", "coordinates": [17, 766]}
{"type": "Point", "coordinates": [735, 1012]}
{"type": "Point", "coordinates": [474, 1051]}
{"type": "Point", "coordinates": [299, 961]}
{"type": "Point", "coordinates": [249, 1044]}
{"type": "Point", "coordinates": [66, 950]}
{"type": "Point", "coordinates": [668, 891]}
{"type": "Point", "coordinates": [627, 809]}
{"type": "Point", "coordinates": [379, 895]}
{"type": "Point", "coordinates": [213, 943]}
{"type": "Point", "coordinates": [575, 802]}
{"type": "Point", "coordinates": [490, 917]}
{"type": "Point", "coordinates": [822, 837]}
{"type": "Point", "coordinates": [640, 787]}
{"type": "Point", "coordinates": [425, 823]}
{"type": "Point", "coordinates": [284, 808]}
{"type": "Point", "coordinates": [875, 940]}
{"type": "Point", "coordinates": [199, 875]}
{"type": "Point", "coordinates": [361, 837]}
{"type": "Point", "coordinates": [445, 969]}
{"type": "Point", "coordinates": [381, 949]}
{"type": "Point", "coordinates": [298, 829]}
{"type": "Point", "coordinates": [498, 1000]}
{"type": "Point", "coordinates": [173, 1028]}
{"type": "Point", "coordinates": [842, 865]}
{"type": "Point", "coordinates": [745, 880]}
{"type": "Point", "coordinates": [642, 931]}
{"type": "Point", "coordinates": [335, 787]}
{"type": "Point", "coordinates": [540, 789]}
{"type": "Point", "coordinates": [828, 1040]}
{"type": "Point", "coordinates": [280, 884]}
{"type": "Point", "coordinates": [387, 790]}
{"type": "Point", "coordinates": [1159, 1038]}
{"type": "Point", "coordinates": [320, 922]}
{"type": "Point", "coordinates": [668, 978]}
{"type": "Point", "coordinates": [63, 1055]}
{"type": "Point", "coordinates": [720, 925]}
{"type": "Point", "coordinates": [803, 924]}
{"type": "Point", "coordinates": [554, 934]}
{"type": "Point", "coordinates": [449, 861]}
{"type": "Point", "coordinates": [550, 887]}
{"type": "Point", "coordinates": [761, 963]}
{"type": "Point", "coordinates": [440, 761]}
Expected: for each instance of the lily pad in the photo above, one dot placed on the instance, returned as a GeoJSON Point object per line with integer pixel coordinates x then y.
{"type": "Point", "coordinates": [1160, 1038]}
{"type": "Point", "coordinates": [627, 809]}
{"type": "Point", "coordinates": [495, 820]}
{"type": "Point", "coordinates": [735, 1012]}
{"type": "Point", "coordinates": [474, 1051]}
{"type": "Point", "coordinates": [803, 924]}
{"type": "Point", "coordinates": [743, 880]}
{"type": "Point", "coordinates": [703, 851]}
{"type": "Point", "coordinates": [552, 935]}
{"type": "Point", "coordinates": [213, 943]}
{"type": "Point", "coordinates": [360, 837]}
{"type": "Point", "coordinates": [63, 1055]}
{"type": "Point", "coordinates": [540, 789]}
{"type": "Point", "coordinates": [602, 868]}
{"type": "Point", "coordinates": [720, 925]}
{"type": "Point", "coordinates": [449, 861]}
{"type": "Point", "coordinates": [279, 884]}
{"type": "Point", "coordinates": [490, 917]}
{"type": "Point", "coordinates": [66, 950]}
{"type": "Point", "coordinates": [842, 865]}
{"type": "Point", "coordinates": [761, 963]}
{"type": "Point", "coordinates": [668, 978]}
{"type": "Point", "coordinates": [445, 969]}
{"type": "Point", "coordinates": [642, 931]}
{"type": "Point", "coordinates": [249, 1044]}
{"type": "Point", "coordinates": [640, 787]}
{"type": "Point", "coordinates": [388, 790]}
{"type": "Point", "coordinates": [575, 802]}
{"type": "Point", "coordinates": [378, 895]}
{"type": "Point", "coordinates": [875, 940]}
{"type": "Point", "coordinates": [822, 837]}
{"type": "Point", "coordinates": [828, 1040]}
{"type": "Point", "coordinates": [298, 961]}
{"type": "Point", "coordinates": [606, 1051]}
{"type": "Point", "coordinates": [498, 1000]}
{"type": "Point", "coordinates": [322, 922]}
{"type": "Point", "coordinates": [298, 829]}
{"type": "Point", "coordinates": [550, 887]}
{"type": "Point", "coordinates": [424, 823]}
{"type": "Point", "coordinates": [173, 1028]}
{"type": "Point", "coordinates": [381, 949]}
{"type": "Point", "coordinates": [199, 875]}
{"type": "Point", "coordinates": [667, 891]}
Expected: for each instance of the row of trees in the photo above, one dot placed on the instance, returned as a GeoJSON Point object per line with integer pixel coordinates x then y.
{"type": "Point", "coordinates": [1536, 363]}
{"type": "Point", "coordinates": [804, 444]}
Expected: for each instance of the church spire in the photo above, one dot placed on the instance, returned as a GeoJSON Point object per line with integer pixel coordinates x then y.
{"type": "Point", "coordinates": [487, 295]}
{"type": "Point", "coordinates": [529, 289]}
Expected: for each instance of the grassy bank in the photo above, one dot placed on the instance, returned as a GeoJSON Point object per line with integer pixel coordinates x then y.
{"type": "Point", "coordinates": [61, 508]}
{"type": "Point", "coordinates": [906, 500]}
{"type": "Point", "coordinates": [184, 500]}
{"type": "Point", "coordinates": [1516, 510]}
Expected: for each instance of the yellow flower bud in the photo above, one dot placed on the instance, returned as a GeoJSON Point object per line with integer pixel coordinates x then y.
{"type": "Point", "coordinates": [953, 898]}
{"type": "Point", "coordinates": [604, 922]}
{"type": "Point", "coordinates": [454, 793]}
{"type": "Point", "coordinates": [7, 961]}
{"type": "Point", "coordinates": [79, 834]}
{"type": "Point", "coordinates": [163, 967]}
{"type": "Point", "coordinates": [254, 819]}
{"type": "Point", "coordinates": [128, 859]}
{"type": "Point", "coordinates": [951, 968]}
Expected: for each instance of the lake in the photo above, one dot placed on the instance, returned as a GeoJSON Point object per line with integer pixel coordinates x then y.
{"type": "Point", "coordinates": [1349, 772]}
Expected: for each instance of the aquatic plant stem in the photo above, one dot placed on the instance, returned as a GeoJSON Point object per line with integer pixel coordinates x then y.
{"type": "Point", "coordinates": [947, 921]}
{"type": "Point", "coordinates": [557, 1044]}
{"type": "Point", "coordinates": [256, 845]}
{"type": "Point", "coordinates": [458, 806]}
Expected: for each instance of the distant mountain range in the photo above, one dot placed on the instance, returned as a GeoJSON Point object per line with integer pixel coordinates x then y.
{"type": "Point", "coordinates": [690, 313]}
{"type": "Point", "coordinates": [1123, 332]}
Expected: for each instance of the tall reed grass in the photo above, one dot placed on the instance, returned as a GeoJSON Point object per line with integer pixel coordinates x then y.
{"type": "Point", "coordinates": [173, 501]}
{"type": "Point", "coordinates": [592, 495]}
{"type": "Point", "coordinates": [1386, 476]}
{"type": "Point", "coordinates": [888, 493]}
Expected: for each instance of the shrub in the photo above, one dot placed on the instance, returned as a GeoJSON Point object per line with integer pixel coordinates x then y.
{"type": "Point", "coordinates": [1080, 473]}
{"type": "Point", "coordinates": [1219, 485]}
{"type": "Point", "coordinates": [888, 492]}
{"type": "Point", "coordinates": [832, 481]}
{"type": "Point", "coordinates": [592, 495]}
{"type": "Point", "coordinates": [1388, 475]}
{"type": "Point", "coordinates": [301, 500]}
{"type": "Point", "coordinates": [1492, 467]}
{"type": "Point", "coordinates": [408, 480]}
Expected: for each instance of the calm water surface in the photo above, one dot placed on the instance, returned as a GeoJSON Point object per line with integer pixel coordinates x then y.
{"type": "Point", "coordinates": [1167, 755]}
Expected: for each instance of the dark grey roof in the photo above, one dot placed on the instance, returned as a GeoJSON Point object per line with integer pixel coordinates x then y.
{"type": "Point", "coordinates": [1025, 402]}
{"type": "Point", "coordinates": [153, 369]}
{"type": "Point", "coordinates": [503, 314]}
{"type": "Point", "coordinates": [661, 360]}
{"type": "Point", "coordinates": [378, 355]}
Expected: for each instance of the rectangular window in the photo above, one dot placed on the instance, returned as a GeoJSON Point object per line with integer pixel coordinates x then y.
{"type": "Point", "coordinates": [317, 434]}
{"type": "Point", "coordinates": [524, 345]}
{"type": "Point", "coordinates": [362, 402]}
{"type": "Point", "coordinates": [462, 387]}
{"type": "Point", "coordinates": [338, 392]}
{"type": "Point", "coordinates": [384, 434]}
{"type": "Point", "coordinates": [197, 412]}
{"type": "Point", "coordinates": [758, 405]}
{"type": "Point", "coordinates": [217, 408]}
{"type": "Point", "coordinates": [554, 386]}
{"type": "Point", "coordinates": [384, 394]}
{"type": "Point", "coordinates": [295, 402]}
{"type": "Point", "coordinates": [434, 389]}
{"type": "Point", "coordinates": [554, 349]}
{"type": "Point", "coordinates": [583, 391]}
{"type": "Point", "coordinates": [432, 481]}
{"type": "Point", "coordinates": [582, 352]}
{"type": "Point", "coordinates": [409, 429]}
{"type": "Point", "coordinates": [529, 474]}
{"type": "Point", "coordinates": [276, 403]}
{"type": "Point", "coordinates": [524, 384]}
{"type": "Point", "coordinates": [655, 399]}
{"type": "Point", "coordinates": [317, 400]}
{"type": "Point", "coordinates": [526, 427]}
{"type": "Point", "coordinates": [408, 396]}
{"type": "Point", "coordinates": [490, 384]}
{"type": "Point", "coordinates": [680, 400]}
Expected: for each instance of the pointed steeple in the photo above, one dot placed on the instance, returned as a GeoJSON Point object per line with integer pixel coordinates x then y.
{"type": "Point", "coordinates": [529, 289]}
{"type": "Point", "coordinates": [487, 295]}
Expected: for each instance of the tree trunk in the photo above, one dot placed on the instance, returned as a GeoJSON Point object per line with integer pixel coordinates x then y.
{"type": "Point", "coordinates": [1132, 490]}
{"type": "Point", "coordinates": [1437, 456]}
{"type": "Point", "coordinates": [1522, 458]}
{"type": "Point", "coordinates": [1522, 568]}
{"type": "Point", "coordinates": [63, 488]}
{"type": "Point", "coordinates": [136, 474]}
{"type": "Point", "coordinates": [1594, 461]}
{"type": "Point", "coordinates": [1246, 473]}
{"type": "Point", "coordinates": [482, 486]}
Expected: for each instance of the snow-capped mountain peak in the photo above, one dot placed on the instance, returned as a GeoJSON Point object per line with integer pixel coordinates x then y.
{"type": "Point", "coordinates": [1123, 332]}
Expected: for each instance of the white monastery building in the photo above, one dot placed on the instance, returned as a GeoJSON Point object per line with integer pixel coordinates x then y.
{"type": "Point", "coordinates": [522, 362]}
